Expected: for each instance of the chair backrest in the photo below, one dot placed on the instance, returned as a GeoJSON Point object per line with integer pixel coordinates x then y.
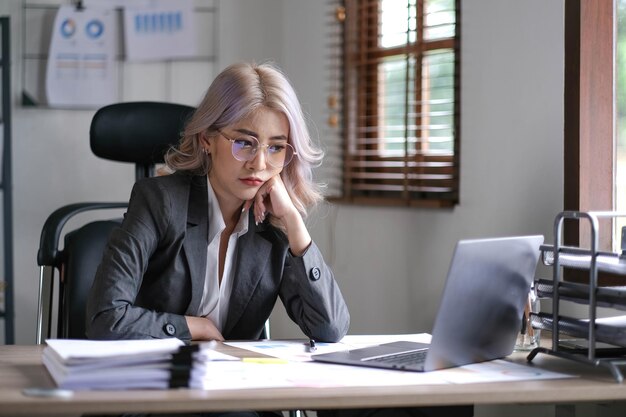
{"type": "Point", "coordinates": [84, 248]}
{"type": "Point", "coordinates": [137, 132]}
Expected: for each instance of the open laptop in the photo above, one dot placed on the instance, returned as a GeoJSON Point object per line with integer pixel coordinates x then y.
{"type": "Point", "coordinates": [480, 313]}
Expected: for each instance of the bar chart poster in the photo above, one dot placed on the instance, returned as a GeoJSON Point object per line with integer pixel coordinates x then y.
{"type": "Point", "coordinates": [81, 69]}
{"type": "Point", "coordinates": [159, 30]}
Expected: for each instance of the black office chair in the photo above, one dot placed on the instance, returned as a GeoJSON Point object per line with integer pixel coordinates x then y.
{"type": "Point", "coordinates": [137, 132]}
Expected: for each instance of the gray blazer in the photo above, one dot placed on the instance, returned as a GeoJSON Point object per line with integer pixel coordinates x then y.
{"type": "Point", "coordinates": [153, 269]}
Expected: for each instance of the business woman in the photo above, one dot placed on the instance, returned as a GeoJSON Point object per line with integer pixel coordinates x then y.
{"type": "Point", "coordinates": [204, 252]}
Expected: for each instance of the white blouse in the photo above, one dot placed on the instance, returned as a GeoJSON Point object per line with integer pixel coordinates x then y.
{"type": "Point", "coordinates": [215, 297]}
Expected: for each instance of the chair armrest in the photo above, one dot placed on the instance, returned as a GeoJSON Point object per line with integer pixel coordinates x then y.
{"type": "Point", "coordinates": [48, 252]}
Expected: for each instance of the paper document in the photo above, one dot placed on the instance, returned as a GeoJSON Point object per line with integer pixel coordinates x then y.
{"type": "Point", "coordinates": [110, 364]}
{"type": "Point", "coordinates": [126, 364]}
{"type": "Point", "coordinates": [77, 350]}
{"type": "Point", "coordinates": [81, 69]}
{"type": "Point", "coordinates": [159, 30]}
{"type": "Point", "coordinates": [300, 371]}
{"type": "Point", "coordinates": [163, 363]}
{"type": "Point", "coordinates": [297, 350]}
{"type": "Point", "coordinates": [241, 375]}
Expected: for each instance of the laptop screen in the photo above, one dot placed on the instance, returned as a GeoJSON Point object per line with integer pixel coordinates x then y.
{"type": "Point", "coordinates": [481, 308]}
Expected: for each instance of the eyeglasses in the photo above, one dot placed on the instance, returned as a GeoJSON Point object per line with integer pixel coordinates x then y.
{"type": "Point", "coordinates": [246, 147]}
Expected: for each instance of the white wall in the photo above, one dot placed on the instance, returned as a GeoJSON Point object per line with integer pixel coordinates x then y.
{"type": "Point", "coordinates": [390, 262]}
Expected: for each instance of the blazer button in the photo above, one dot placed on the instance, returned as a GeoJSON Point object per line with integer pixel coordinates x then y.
{"type": "Point", "coordinates": [170, 329]}
{"type": "Point", "coordinates": [315, 274]}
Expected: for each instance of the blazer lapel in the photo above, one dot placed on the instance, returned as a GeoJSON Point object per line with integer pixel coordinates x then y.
{"type": "Point", "coordinates": [196, 239]}
{"type": "Point", "coordinates": [253, 253]}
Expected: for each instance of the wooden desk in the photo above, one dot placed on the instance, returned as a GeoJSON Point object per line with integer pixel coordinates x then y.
{"type": "Point", "coordinates": [21, 367]}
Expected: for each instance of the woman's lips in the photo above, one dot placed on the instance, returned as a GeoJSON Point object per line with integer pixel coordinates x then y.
{"type": "Point", "coordinates": [252, 182]}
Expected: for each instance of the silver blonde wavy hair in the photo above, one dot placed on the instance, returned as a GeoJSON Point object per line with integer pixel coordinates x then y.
{"type": "Point", "coordinates": [236, 92]}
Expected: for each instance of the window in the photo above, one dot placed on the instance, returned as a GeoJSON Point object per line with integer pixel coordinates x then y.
{"type": "Point", "coordinates": [395, 98]}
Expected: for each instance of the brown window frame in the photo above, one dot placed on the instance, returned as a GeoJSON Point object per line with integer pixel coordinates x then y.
{"type": "Point", "coordinates": [588, 121]}
{"type": "Point", "coordinates": [416, 178]}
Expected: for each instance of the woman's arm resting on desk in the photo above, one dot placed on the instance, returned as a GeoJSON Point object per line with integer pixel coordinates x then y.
{"type": "Point", "coordinates": [312, 298]}
{"type": "Point", "coordinates": [115, 307]}
{"type": "Point", "coordinates": [308, 289]}
{"type": "Point", "coordinates": [202, 328]}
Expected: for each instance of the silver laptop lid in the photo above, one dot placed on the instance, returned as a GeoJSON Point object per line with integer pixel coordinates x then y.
{"type": "Point", "coordinates": [488, 281]}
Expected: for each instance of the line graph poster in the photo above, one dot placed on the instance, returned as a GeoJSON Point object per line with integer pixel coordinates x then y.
{"type": "Point", "coordinates": [81, 63]}
{"type": "Point", "coordinates": [159, 30]}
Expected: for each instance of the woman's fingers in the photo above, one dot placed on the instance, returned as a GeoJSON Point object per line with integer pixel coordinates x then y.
{"type": "Point", "coordinates": [271, 198]}
{"type": "Point", "coordinates": [259, 206]}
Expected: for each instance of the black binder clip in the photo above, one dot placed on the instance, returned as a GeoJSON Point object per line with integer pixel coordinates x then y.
{"type": "Point", "coordinates": [181, 365]}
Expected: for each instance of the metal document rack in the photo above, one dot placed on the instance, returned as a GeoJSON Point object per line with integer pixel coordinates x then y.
{"type": "Point", "coordinates": [605, 337]}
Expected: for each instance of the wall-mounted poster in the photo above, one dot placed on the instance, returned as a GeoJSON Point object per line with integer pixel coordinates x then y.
{"type": "Point", "coordinates": [157, 30]}
{"type": "Point", "coordinates": [81, 68]}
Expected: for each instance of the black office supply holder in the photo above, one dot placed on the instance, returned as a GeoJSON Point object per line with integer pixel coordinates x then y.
{"type": "Point", "coordinates": [605, 337]}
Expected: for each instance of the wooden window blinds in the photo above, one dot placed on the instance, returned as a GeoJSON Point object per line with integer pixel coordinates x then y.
{"type": "Point", "coordinates": [394, 100]}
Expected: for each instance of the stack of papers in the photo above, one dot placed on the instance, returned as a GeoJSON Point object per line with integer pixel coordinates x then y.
{"type": "Point", "coordinates": [169, 363]}
{"type": "Point", "coordinates": [124, 364]}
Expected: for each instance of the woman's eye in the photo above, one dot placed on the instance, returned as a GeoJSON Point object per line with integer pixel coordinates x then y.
{"type": "Point", "coordinates": [276, 148]}
{"type": "Point", "coordinates": [243, 143]}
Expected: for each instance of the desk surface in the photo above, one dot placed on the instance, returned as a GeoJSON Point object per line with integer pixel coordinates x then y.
{"type": "Point", "coordinates": [21, 367]}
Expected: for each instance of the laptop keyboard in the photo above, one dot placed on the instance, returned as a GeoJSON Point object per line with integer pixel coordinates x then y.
{"type": "Point", "coordinates": [401, 360]}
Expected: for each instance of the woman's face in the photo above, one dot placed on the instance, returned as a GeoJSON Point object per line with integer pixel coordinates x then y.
{"type": "Point", "coordinates": [235, 181]}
